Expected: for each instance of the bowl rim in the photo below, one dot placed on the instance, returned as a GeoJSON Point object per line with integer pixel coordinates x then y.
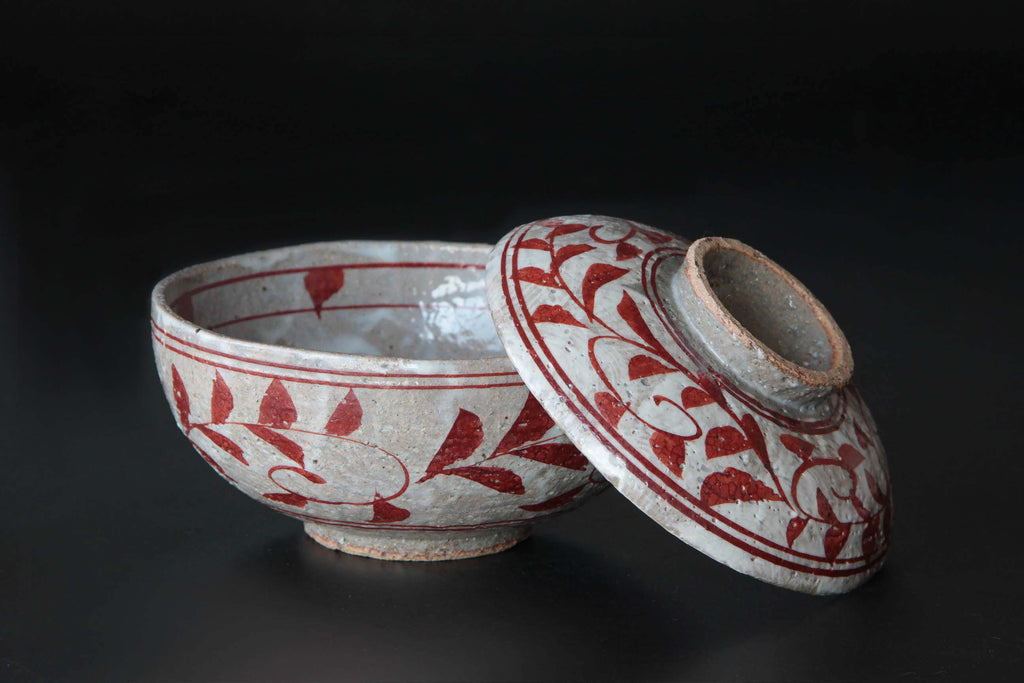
{"type": "Point", "coordinates": [165, 321]}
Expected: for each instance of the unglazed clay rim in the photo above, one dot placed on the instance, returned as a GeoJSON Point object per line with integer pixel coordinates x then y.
{"type": "Point", "coordinates": [364, 364]}
{"type": "Point", "coordinates": [840, 370]}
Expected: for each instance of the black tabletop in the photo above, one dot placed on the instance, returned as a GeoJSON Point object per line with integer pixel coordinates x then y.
{"type": "Point", "coordinates": [875, 153]}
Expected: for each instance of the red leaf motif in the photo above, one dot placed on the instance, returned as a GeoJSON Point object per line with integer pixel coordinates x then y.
{"type": "Point", "coordinates": [862, 438]}
{"type": "Point", "coordinates": [533, 422]}
{"type": "Point", "coordinates": [224, 443]}
{"type": "Point", "coordinates": [555, 314]}
{"type": "Point", "coordinates": [835, 540]}
{"type": "Point", "coordinates": [222, 401]}
{"type": "Point", "coordinates": [797, 445]}
{"type": "Point", "coordinates": [463, 438]}
{"type": "Point", "coordinates": [560, 454]}
{"type": "Point", "coordinates": [553, 503]}
{"type": "Point", "coordinates": [753, 433]}
{"type": "Point", "coordinates": [535, 243]}
{"type": "Point", "coordinates": [795, 528]}
{"type": "Point", "coordinates": [293, 499]}
{"type": "Point", "coordinates": [734, 486]}
{"type": "Point", "coordinates": [598, 275]}
{"type": "Point", "coordinates": [386, 513]}
{"type": "Point", "coordinates": [322, 284]}
{"type": "Point", "coordinates": [625, 251]}
{"type": "Point", "coordinates": [502, 480]}
{"type": "Point", "coordinates": [610, 407]}
{"type": "Point", "coordinates": [825, 509]}
{"type": "Point", "coordinates": [346, 417]}
{"type": "Point", "coordinates": [276, 408]}
{"type": "Point", "coordinates": [180, 397]}
{"type": "Point", "coordinates": [211, 462]}
{"type": "Point", "coordinates": [722, 441]}
{"type": "Point", "coordinates": [708, 384]}
{"type": "Point", "coordinates": [850, 456]}
{"type": "Point", "coordinates": [286, 446]}
{"type": "Point", "coordinates": [627, 308]}
{"type": "Point", "coordinates": [869, 539]}
{"type": "Point", "coordinates": [566, 229]}
{"type": "Point", "coordinates": [641, 366]}
{"type": "Point", "coordinates": [536, 276]}
{"type": "Point", "coordinates": [567, 252]}
{"type": "Point", "coordinates": [876, 492]}
{"type": "Point", "coordinates": [695, 398]}
{"type": "Point", "coordinates": [670, 449]}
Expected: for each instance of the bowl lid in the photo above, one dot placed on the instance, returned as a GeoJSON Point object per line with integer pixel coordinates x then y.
{"type": "Point", "coordinates": [707, 385]}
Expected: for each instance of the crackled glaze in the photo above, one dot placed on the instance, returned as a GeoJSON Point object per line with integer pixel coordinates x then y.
{"type": "Point", "coordinates": [284, 369]}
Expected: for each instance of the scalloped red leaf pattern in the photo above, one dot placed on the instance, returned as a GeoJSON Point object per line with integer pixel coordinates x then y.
{"type": "Point", "coordinates": [386, 513]}
{"type": "Point", "coordinates": [548, 313]}
{"type": "Point", "coordinates": [559, 454]}
{"type": "Point", "coordinates": [180, 397]}
{"type": "Point", "coordinates": [535, 243]}
{"type": "Point", "coordinates": [835, 540]}
{"type": "Point", "coordinates": [567, 252]}
{"type": "Point", "coordinates": [625, 251]}
{"type": "Point", "coordinates": [323, 283]}
{"type": "Point", "coordinates": [876, 492]}
{"type": "Point", "coordinates": [611, 408]}
{"type": "Point", "coordinates": [497, 478]}
{"type": "Point", "coordinates": [536, 276]}
{"type": "Point", "coordinates": [692, 397]}
{"type": "Point", "coordinates": [862, 438]}
{"type": "Point", "coordinates": [293, 499]}
{"type": "Point", "coordinates": [598, 275]}
{"type": "Point", "coordinates": [221, 402]}
{"type": "Point", "coordinates": [670, 449]}
{"type": "Point", "coordinates": [797, 445]}
{"type": "Point", "coordinates": [286, 446]}
{"type": "Point", "coordinates": [347, 417]}
{"type": "Point", "coordinates": [565, 229]}
{"type": "Point", "coordinates": [224, 443]}
{"type": "Point", "coordinates": [211, 462]}
{"type": "Point", "coordinates": [641, 366]}
{"type": "Point", "coordinates": [629, 312]}
{"type": "Point", "coordinates": [277, 408]}
{"type": "Point", "coordinates": [850, 456]}
{"type": "Point", "coordinates": [532, 423]}
{"type": "Point", "coordinates": [795, 527]}
{"type": "Point", "coordinates": [463, 439]}
{"type": "Point", "coordinates": [825, 509]}
{"type": "Point", "coordinates": [555, 502]}
{"type": "Point", "coordinates": [726, 440]}
{"type": "Point", "coordinates": [734, 486]}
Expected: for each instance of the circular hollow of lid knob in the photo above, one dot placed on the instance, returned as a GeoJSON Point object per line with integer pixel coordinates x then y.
{"type": "Point", "coordinates": [761, 325]}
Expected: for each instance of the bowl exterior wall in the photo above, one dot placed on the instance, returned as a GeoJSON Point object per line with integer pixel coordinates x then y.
{"type": "Point", "coordinates": [369, 444]}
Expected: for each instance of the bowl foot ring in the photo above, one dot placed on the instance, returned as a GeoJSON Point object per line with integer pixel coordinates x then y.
{"type": "Point", "coordinates": [428, 546]}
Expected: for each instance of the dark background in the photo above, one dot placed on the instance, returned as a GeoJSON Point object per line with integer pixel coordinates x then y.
{"type": "Point", "coordinates": [875, 149]}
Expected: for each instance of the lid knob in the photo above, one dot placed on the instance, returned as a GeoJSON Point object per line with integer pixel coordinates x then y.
{"type": "Point", "coordinates": [760, 327]}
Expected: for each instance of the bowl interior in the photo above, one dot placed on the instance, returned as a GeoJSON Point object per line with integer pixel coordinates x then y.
{"type": "Point", "coordinates": [412, 300]}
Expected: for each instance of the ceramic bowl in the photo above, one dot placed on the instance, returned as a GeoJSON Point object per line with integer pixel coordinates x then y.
{"type": "Point", "coordinates": [361, 388]}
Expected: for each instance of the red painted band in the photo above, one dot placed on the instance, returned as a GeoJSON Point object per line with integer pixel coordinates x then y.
{"type": "Point", "coordinates": [345, 385]}
{"type": "Point", "coordinates": [350, 307]}
{"type": "Point", "coordinates": [340, 373]}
